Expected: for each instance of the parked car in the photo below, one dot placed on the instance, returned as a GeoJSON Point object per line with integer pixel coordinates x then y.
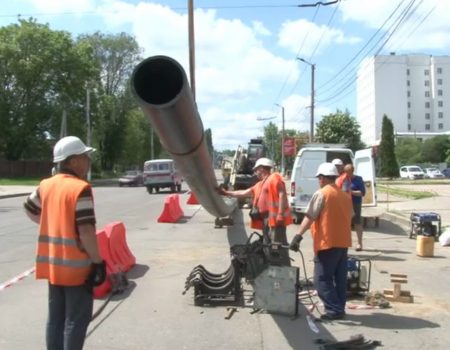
{"type": "Point", "coordinates": [411, 172]}
{"type": "Point", "coordinates": [446, 172]}
{"type": "Point", "coordinates": [131, 178]}
{"type": "Point", "coordinates": [434, 173]}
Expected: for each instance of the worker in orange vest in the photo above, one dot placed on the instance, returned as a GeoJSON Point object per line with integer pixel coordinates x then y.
{"type": "Point", "coordinates": [67, 251]}
{"type": "Point", "coordinates": [270, 212]}
{"type": "Point", "coordinates": [329, 216]}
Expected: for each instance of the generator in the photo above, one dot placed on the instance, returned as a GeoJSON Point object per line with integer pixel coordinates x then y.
{"type": "Point", "coordinates": [426, 224]}
{"type": "Point", "coordinates": [358, 274]}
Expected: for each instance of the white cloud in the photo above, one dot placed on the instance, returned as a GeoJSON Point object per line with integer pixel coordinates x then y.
{"type": "Point", "coordinates": [426, 29]}
{"type": "Point", "coordinates": [259, 28]}
{"type": "Point", "coordinates": [304, 35]}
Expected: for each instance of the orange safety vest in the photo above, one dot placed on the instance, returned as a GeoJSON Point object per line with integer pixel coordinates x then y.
{"type": "Point", "coordinates": [59, 258]}
{"type": "Point", "coordinates": [269, 200]}
{"type": "Point", "coordinates": [332, 229]}
{"type": "Point", "coordinates": [257, 224]}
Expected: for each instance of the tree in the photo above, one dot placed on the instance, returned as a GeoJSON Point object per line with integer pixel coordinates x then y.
{"type": "Point", "coordinates": [434, 150]}
{"type": "Point", "coordinates": [115, 58]}
{"type": "Point", "coordinates": [340, 128]}
{"type": "Point", "coordinates": [408, 151]}
{"type": "Point", "coordinates": [43, 73]}
{"type": "Point", "coordinates": [388, 166]}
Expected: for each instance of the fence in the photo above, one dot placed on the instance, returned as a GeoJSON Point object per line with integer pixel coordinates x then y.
{"type": "Point", "coordinates": [25, 168]}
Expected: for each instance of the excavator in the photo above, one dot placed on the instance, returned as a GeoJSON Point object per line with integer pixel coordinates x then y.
{"type": "Point", "coordinates": [241, 175]}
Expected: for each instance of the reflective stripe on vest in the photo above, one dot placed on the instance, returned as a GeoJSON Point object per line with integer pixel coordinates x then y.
{"type": "Point", "coordinates": [63, 262]}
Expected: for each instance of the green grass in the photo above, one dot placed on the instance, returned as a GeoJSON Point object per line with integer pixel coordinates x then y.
{"type": "Point", "coordinates": [400, 192]}
{"type": "Point", "coordinates": [19, 181]}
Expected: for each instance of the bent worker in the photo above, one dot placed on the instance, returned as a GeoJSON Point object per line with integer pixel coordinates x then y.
{"type": "Point", "coordinates": [358, 191]}
{"type": "Point", "coordinates": [270, 212]}
{"type": "Point", "coordinates": [67, 251]}
{"type": "Point", "coordinates": [328, 214]}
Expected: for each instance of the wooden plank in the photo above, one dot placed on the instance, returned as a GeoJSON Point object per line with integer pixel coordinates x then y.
{"type": "Point", "coordinates": [401, 275]}
{"type": "Point", "coordinates": [399, 280]}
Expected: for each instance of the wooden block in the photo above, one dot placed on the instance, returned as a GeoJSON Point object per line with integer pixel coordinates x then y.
{"type": "Point", "coordinates": [399, 280]}
{"type": "Point", "coordinates": [397, 290]}
{"type": "Point", "coordinates": [400, 275]}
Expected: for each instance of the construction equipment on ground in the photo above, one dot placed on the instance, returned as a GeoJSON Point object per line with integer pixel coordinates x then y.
{"type": "Point", "coordinates": [275, 287]}
{"type": "Point", "coordinates": [241, 175]}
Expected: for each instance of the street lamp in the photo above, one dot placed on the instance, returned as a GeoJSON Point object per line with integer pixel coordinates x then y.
{"type": "Point", "coordinates": [282, 138]}
{"type": "Point", "coordinates": [311, 127]}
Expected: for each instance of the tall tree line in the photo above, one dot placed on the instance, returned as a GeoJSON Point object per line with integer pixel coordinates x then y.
{"type": "Point", "coordinates": [47, 73]}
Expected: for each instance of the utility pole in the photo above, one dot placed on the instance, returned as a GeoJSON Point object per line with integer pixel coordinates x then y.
{"type": "Point", "coordinates": [88, 127]}
{"type": "Point", "coordinates": [282, 138]}
{"type": "Point", "coordinates": [311, 127]}
{"type": "Point", "coordinates": [191, 45]}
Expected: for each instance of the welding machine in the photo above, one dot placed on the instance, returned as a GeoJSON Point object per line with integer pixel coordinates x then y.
{"type": "Point", "coordinates": [358, 274]}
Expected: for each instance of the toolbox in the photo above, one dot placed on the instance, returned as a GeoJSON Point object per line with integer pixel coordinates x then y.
{"type": "Point", "coordinates": [425, 224]}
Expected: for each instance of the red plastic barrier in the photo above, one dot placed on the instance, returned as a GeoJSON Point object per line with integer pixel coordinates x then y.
{"type": "Point", "coordinates": [103, 247]}
{"type": "Point", "coordinates": [172, 211]}
{"type": "Point", "coordinates": [192, 199]}
{"type": "Point", "coordinates": [118, 247]}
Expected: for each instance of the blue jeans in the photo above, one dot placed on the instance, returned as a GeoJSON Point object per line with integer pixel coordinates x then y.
{"type": "Point", "coordinates": [69, 314]}
{"type": "Point", "coordinates": [330, 279]}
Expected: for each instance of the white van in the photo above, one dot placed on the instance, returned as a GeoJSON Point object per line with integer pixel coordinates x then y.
{"type": "Point", "coordinates": [303, 180]}
{"type": "Point", "coordinates": [161, 173]}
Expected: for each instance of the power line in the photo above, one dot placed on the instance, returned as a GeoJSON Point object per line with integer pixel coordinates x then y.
{"type": "Point", "coordinates": [400, 20]}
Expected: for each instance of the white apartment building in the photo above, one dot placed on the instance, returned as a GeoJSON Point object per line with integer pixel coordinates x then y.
{"type": "Point", "coordinates": [412, 90]}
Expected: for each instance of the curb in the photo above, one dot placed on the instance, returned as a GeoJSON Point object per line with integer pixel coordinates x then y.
{"type": "Point", "coordinates": [397, 219]}
{"type": "Point", "coordinates": [14, 195]}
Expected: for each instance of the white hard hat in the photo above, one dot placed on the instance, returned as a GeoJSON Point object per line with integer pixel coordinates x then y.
{"type": "Point", "coordinates": [263, 162]}
{"type": "Point", "coordinates": [337, 161]}
{"type": "Point", "coordinates": [69, 146]}
{"type": "Point", "coordinates": [327, 169]}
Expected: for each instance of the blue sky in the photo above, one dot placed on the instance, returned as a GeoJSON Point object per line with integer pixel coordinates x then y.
{"type": "Point", "coordinates": [246, 50]}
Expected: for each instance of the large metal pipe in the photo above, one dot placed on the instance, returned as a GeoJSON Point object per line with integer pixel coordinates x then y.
{"type": "Point", "coordinates": [160, 86]}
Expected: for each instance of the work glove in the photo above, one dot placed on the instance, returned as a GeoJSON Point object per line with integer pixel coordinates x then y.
{"type": "Point", "coordinates": [97, 275]}
{"type": "Point", "coordinates": [220, 190]}
{"type": "Point", "coordinates": [295, 243]}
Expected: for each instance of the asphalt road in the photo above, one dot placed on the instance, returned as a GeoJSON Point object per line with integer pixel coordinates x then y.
{"type": "Point", "coordinates": [153, 314]}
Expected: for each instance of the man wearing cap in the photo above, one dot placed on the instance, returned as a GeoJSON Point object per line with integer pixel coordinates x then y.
{"type": "Point", "coordinates": [270, 212]}
{"type": "Point", "coordinates": [67, 251]}
{"type": "Point", "coordinates": [329, 216]}
{"type": "Point", "coordinates": [343, 181]}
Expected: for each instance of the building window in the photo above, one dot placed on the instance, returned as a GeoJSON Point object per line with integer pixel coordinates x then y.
{"type": "Point", "coordinates": [427, 83]}
{"type": "Point", "coordinates": [408, 93]}
{"type": "Point", "coordinates": [409, 104]}
{"type": "Point", "coordinates": [409, 115]}
{"type": "Point", "coordinates": [427, 126]}
{"type": "Point", "coordinates": [439, 81]}
{"type": "Point", "coordinates": [427, 72]}
{"type": "Point", "coordinates": [427, 94]}
{"type": "Point", "coordinates": [407, 83]}
{"type": "Point", "coordinates": [427, 115]}
{"type": "Point", "coordinates": [439, 70]}
{"type": "Point", "coordinates": [407, 72]}
{"type": "Point", "coordinates": [409, 127]}
{"type": "Point", "coordinates": [427, 104]}
{"type": "Point", "coordinates": [440, 115]}
{"type": "Point", "coordinates": [440, 103]}
{"type": "Point", "coordinates": [440, 126]}
{"type": "Point", "coordinates": [439, 92]}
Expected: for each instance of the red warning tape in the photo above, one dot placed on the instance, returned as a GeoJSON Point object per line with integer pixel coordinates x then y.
{"type": "Point", "coordinates": [16, 279]}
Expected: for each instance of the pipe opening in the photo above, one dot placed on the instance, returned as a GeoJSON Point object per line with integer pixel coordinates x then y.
{"type": "Point", "coordinates": [157, 80]}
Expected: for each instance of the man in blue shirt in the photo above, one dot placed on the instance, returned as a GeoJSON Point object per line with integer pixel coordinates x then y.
{"type": "Point", "coordinates": [358, 190]}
